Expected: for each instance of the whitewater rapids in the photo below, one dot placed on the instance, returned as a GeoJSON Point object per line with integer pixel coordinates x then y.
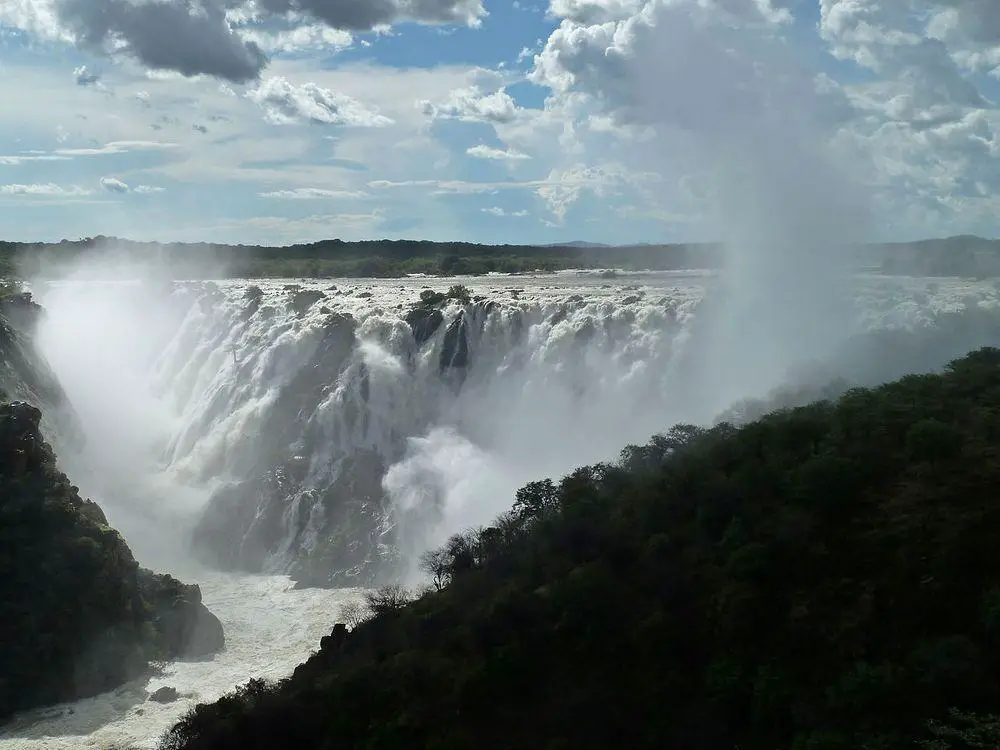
{"type": "Point", "coordinates": [270, 629]}
{"type": "Point", "coordinates": [181, 390]}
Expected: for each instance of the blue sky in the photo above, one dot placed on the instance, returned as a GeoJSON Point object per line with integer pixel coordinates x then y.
{"type": "Point", "coordinates": [504, 122]}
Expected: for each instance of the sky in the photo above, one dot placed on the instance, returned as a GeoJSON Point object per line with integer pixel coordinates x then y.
{"type": "Point", "coordinates": [497, 121]}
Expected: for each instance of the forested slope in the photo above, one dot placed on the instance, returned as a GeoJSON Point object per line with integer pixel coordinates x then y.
{"type": "Point", "coordinates": [824, 577]}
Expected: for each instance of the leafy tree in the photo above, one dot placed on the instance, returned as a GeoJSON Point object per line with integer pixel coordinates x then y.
{"type": "Point", "coordinates": [825, 577]}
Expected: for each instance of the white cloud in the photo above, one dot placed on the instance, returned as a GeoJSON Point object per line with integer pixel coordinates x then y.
{"type": "Point", "coordinates": [313, 194]}
{"type": "Point", "coordinates": [213, 37]}
{"type": "Point", "coordinates": [114, 185]}
{"type": "Point", "coordinates": [29, 157]}
{"type": "Point", "coordinates": [115, 147]}
{"type": "Point", "coordinates": [633, 86]}
{"type": "Point", "coordinates": [497, 211]}
{"type": "Point", "coordinates": [85, 77]}
{"type": "Point", "coordinates": [47, 190]}
{"type": "Point", "coordinates": [472, 105]}
{"type": "Point", "coordinates": [488, 152]}
{"type": "Point", "coordinates": [285, 102]}
{"type": "Point", "coordinates": [301, 39]}
{"type": "Point", "coordinates": [284, 230]}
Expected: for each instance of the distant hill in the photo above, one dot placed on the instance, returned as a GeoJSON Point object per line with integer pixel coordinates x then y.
{"type": "Point", "coordinates": [578, 243]}
{"type": "Point", "coordinates": [963, 255]}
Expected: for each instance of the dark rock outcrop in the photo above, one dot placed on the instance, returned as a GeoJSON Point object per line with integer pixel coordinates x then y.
{"type": "Point", "coordinates": [424, 322]}
{"type": "Point", "coordinates": [303, 299]}
{"type": "Point", "coordinates": [455, 349]}
{"type": "Point", "coordinates": [80, 616]}
{"type": "Point", "coordinates": [165, 694]}
{"type": "Point", "coordinates": [24, 374]}
{"type": "Point", "coordinates": [185, 628]}
{"type": "Point", "coordinates": [247, 522]}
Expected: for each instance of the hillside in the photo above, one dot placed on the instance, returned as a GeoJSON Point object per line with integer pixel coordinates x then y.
{"type": "Point", "coordinates": [336, 258]}
{"type": "Point", "coordinates": [951, 256]}
{"type": "Point", "coordinates": [79, 614]}
{"type": "Point", "coordinates": [826, 577]}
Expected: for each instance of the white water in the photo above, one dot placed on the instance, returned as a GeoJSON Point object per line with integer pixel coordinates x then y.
{"type": "Point", "coordinates": [270, 629]}
{"type": "Point", "coordinates": [179, 392]}
{"type": "Point", "coordinates": [175, 393]}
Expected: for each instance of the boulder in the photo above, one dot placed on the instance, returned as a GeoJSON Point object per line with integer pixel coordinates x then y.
{"type": "Point", "coordinates": [424, 323]}
{"type": "Point", "coordinates": [165, 694]}
{"type": "Point", "coordinates": [80, 617]}
{"type": "Point", "coordinates": [185, 628]}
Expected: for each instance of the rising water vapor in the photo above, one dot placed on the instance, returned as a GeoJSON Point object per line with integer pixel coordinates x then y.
{"type": "Point", "coordinates": [759, 121]}
{"type": "Point", "coordinates": [316, 431]}
{"type": "Point", "coordinates": [108, 317]}
{"type": "Point", "coordinates": [755, 124]}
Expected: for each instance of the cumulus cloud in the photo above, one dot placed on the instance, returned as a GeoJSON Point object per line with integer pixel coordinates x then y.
{"type": "Point", "coordinates": [210, 37]}
{"type": "Point", "coordinates": [734, 103]}
{"type": "Point", "coordinates": [190, 38]}
{"type": "Point", "coordinates": [285, 103]}
{"type": "Point", "coordinates": [594, 11]}
{"type": "Point", "coordinates": [499, 154]}
{"type": "Point", "coordinates": [472, 105]}
{"type": "Point", "coordinates": [114, 185]}
{"type": "Point", "coordinates": [85, 77]}
{"type": "Point", "coordinates": [300, 39]}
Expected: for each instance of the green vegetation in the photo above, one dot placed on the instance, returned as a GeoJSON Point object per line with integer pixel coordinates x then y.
{"type": "Point", "coordinates": [952, 256]}
{"type": "Point", "coordinates": [338, 259]}
{"type": "Point", "coordinates": [824, 578]}
{"type": "Point", "coordinates": [79, 615]}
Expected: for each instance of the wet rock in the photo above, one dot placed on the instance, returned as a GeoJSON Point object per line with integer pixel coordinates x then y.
{"type": "Point", "coordinates": [424, 322]}
{"type": "Point", "coordinates": [253, 296]}
{"type": "Point", "coordinates": [80, 617]}
{"type": "Point", "coordinates": [165, 694]}
{"type": "Point", "coordinates": [304, 299]}
{"type": "Point", "coordinates": [455, 349]}
{"type": "Point", "coordinates": [185, 627]}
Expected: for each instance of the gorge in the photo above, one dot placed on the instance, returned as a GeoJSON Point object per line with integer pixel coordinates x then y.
{"type": "Point", "coordinates": [300, 435]}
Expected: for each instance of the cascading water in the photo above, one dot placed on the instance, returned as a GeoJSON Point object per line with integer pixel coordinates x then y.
{"type": "Point", "coordinates": [332, 434]}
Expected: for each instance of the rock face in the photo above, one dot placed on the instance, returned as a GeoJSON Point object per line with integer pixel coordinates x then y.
{"type": "Point", "coordinates": [185, 628]}
{"type": "Point", "coordinates": [165, 694]}
{"type": "Point", "coordinates": [78, 614]}
{"type": "Point", "coordinates": [24, 374]}
{"type": "Point", "coordinates": [307, 499]}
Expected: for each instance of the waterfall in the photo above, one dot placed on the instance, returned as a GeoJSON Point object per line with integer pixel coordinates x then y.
{"type": "Point", "coordinates": [332, 432]}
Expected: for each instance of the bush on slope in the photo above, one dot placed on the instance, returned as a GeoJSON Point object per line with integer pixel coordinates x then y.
{"type": "Point", "coordinates": [824, 578]}
{"type": "Point", "coordinates": [79, 615]}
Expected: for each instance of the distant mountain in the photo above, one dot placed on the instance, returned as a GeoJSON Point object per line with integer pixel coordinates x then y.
{"type": "Point", "coordinates": [578, 243]}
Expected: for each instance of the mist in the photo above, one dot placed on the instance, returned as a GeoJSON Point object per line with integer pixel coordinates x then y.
{"type": "Point", "coordinates": [735, 103]}
{"type": "Point", "coordinates": [108, 317]}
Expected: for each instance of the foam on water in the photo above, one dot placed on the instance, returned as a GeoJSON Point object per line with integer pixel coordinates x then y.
{"type": "Point", "coordinates": [270, 629]}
